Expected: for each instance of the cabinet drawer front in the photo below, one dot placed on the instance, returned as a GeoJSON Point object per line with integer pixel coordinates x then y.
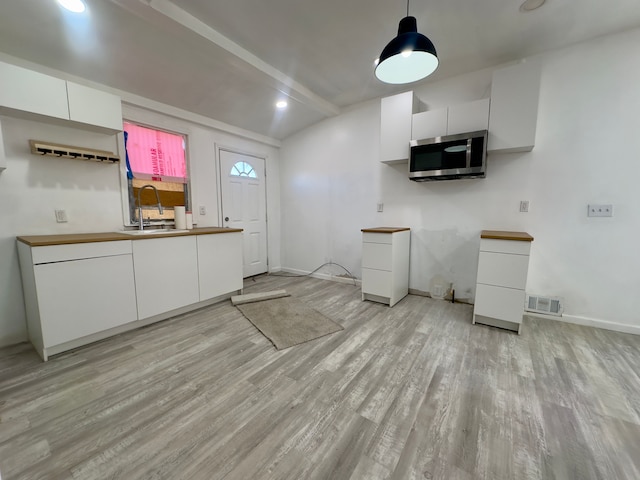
{"type": "Point", "coordinates": [503, 270]}
{"type": "Point", "coordinates": [376, 282]}
{"type": "Point", "coordinates": [376, 255]}
{"type": "Point", "coordinates": [505, 246]}
{"type": "Point", "coordinates": [79, 251]}
{"type": "Point", "coordinates": [370, 237]}
{"type": "Point", "coordinates": [499, 302]}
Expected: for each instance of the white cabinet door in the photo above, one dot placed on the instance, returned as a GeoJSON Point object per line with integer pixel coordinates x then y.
{"type": "Point", "coordinates": [499, 302]}
{"type": "Point", "coordinates": [429, 124]}
{"type": "Point", "coordinates": [23, 90]}
{"type": "Point", "coordinates": [378, 256]}
{"type": "Point", "coordinates": [376, 282]}
{"type": "Point", "coordinates": [219, 264]}
{"type": "Point", "coordinates": [81, 297]}
{"type": "Point", "coordinates": [503, 270]}
{"type": "Point", "coordinates": [166, 272]}
{"type": "Point", "coordinates": [514, 108]}
{"type": "Point", "coordinates": [395, 126]}
{"type": "Point", "coordinates": [468, 117]}
{"type": "Point", "coordinates": [94, 107]}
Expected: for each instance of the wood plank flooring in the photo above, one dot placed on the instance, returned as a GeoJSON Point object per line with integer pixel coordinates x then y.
{"type": "Point", "coordinates": [411, 392]}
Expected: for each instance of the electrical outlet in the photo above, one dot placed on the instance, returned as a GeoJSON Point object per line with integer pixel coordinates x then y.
{"type": "Point", "coordinates": [524, 206]}
{"type": "Point", "coordinates": [61, 216]}
{"type": "Point", "coordinates": [600, 210]}
{"type": "Point", "coordinates": [202, 210]}
{"type": "Point", "coordinates": [380, 207]}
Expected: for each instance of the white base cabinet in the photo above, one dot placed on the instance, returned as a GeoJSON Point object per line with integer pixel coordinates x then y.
{"type": "Point", "coordinates": [79, 292]}
{"type": "Point", "coordinates": [73, 291]}
{"type": "Point", "coordinates": [166, 272]}
{"type": "Point", "coordinates": [503, 264]}
{"type": "Point", "coordinates": [219, 274]}
{"type": "Point", "coordinates": [385, 264]}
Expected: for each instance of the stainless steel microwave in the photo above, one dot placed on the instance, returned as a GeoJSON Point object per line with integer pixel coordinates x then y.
{"type": "Point", "coordinates": [449, 158]}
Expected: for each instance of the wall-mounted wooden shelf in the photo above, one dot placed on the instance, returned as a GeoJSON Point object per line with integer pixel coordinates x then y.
{"type": "Point", "coordinates": [65, 151]}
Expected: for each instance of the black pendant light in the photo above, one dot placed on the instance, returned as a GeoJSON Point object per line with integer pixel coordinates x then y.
{"type": "Point", "coordinates": [409, 57]}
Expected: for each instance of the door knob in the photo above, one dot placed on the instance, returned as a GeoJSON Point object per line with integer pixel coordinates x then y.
{"type": "Point", "coordinates": [226, 219]}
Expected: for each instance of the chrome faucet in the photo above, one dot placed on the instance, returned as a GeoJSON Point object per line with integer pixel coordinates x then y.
{"type": "Point", "coordinates": [140, 219]}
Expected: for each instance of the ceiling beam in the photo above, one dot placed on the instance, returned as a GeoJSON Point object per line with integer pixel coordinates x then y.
{"type": "Point", "coordinates": [295, 90]}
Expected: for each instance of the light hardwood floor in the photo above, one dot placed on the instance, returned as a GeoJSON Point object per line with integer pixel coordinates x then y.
{"type": "Point", "coordinates": [411, 392]}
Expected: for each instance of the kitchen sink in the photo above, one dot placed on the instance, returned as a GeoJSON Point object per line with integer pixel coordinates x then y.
{"type": "Point", "coordinates": [151, 232]}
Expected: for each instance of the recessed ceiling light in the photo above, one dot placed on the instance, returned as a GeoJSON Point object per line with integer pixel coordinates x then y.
{"type": "Point", "coordinates": [76, 6]}
{"type": "Point", "coordinates": [281, 104]}
{"type": "Point", "coordinates": [529, 5]}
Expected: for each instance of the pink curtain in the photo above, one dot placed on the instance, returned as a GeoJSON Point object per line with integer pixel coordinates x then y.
{"type": "Point", "coordinates": [156, 155]}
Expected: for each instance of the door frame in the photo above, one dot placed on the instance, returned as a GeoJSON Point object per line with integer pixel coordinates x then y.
{"type": "Point", "coordinates": [260, 156]}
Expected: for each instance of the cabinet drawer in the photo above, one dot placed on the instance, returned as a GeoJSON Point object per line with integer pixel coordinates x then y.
{"type": "Point", "coordinates": [499, 302]}
{"type": "Point", "coordinates": [371, 237]}
{"type": "Point", "coordinates": [505, 246]}
{"type": "Point", "coordinates": [376, 282]}
{"type": "Point", "coordinates": [376, 255]}
{"type": "Point", "coordinates": [504, 270]}
{"type": "Point", "coordinates": [79, 251]}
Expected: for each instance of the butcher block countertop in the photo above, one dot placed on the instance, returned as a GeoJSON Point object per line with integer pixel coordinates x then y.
{"type": "Point", "coordinates": [385, 229]}
{"type": "Point", "coordinates": [500, 235]}
{"type": "Point", "coordinates": [64, 239]}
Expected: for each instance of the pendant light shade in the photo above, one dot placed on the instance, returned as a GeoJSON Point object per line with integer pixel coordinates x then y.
{"type": "Point", "coordinates": [407, 58]}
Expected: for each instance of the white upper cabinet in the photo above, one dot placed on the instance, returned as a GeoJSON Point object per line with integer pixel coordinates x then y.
{"type": "Point", "coordinates": [395, 126]}
{"type": "Point", "coordinates": [468, 117]}
{"type": "Point", "coordinates": [25, 93]}
{"type": "Point", "coordinates": [462, 118]}
{"type": "Point", "coordinates": [514, 108]}
{"type": "Point", "coordinates": [429, 124]}
{"type": "Point", "coordinates": [23, 90]}
{"type": "Point", "coordinates": [94, 107]}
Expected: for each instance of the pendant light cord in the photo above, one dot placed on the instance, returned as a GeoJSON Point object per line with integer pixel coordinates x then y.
{"type": "Point", "coordinates": [407, 8]}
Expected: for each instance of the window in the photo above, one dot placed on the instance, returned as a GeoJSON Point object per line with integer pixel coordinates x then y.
{"type": "Point", "coordinates": [243, 169]}
{"type": "Point", "coordinates": [157, 158]}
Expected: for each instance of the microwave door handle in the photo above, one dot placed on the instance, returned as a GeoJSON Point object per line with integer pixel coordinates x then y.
{"type": "Point", "coordinates": [469, 153]}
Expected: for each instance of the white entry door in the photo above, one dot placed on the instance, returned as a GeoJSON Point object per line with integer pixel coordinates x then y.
{"type": "Point", "coordinates": [244, 201]}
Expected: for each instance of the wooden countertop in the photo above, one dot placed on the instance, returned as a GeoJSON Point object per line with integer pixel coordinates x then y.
{"type": "Point", "coordinates": [43, 240]}
{"type": "Point", "coordinates": [385, 229]}
{"type": "Point", "coordinates": [500, 235]}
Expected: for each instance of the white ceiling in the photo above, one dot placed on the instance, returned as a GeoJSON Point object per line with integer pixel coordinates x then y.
{"type": "Point", "coordinates": [231, 59]}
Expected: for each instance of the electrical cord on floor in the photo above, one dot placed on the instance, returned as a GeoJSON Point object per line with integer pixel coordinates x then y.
{"type": "Point", "coordinates": [351, 276]}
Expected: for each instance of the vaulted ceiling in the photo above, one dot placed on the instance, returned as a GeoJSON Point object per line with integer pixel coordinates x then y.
{"type": "Point", "coordinates": [230, 60]}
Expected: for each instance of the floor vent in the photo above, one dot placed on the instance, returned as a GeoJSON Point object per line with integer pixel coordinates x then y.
{"type": "Point", "coordinates": [548, 305]}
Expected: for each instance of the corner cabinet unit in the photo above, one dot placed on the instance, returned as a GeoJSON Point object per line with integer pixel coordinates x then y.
{"type": "Point", "coordinates": [385, 264]}
{"type": "Point", "coordinates": [396, 113]}
{"type": "Point", "coordinates": [82, 288]}
{"type": "Point", "coordinates": [502, 277]}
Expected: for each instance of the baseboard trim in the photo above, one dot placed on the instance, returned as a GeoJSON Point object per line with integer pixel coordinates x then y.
{"type": "Point", "coordinates": [590, 322]}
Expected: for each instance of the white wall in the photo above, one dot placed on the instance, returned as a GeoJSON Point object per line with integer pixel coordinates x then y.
{"type": "Point", "coordinates": [332, 179]}
{"type": "Point", "coordinates": [33, 186]}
